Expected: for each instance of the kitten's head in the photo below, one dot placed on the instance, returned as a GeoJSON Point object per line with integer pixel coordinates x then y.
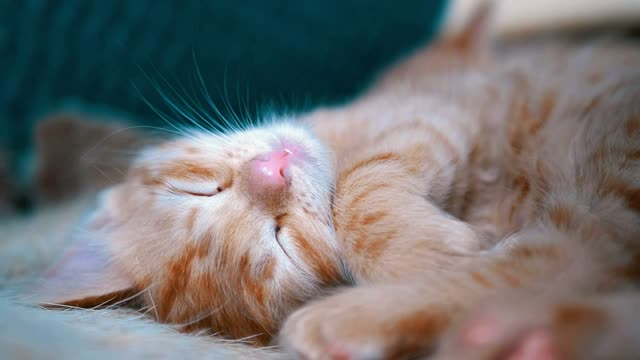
{"type": "Point", "coordinates": [226, 232]}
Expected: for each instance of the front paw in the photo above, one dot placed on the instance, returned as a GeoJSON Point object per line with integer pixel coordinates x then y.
{"type": "Point", "coordinates": [523, 330]}
{"type": "Point", "coordinates": [364, 323]}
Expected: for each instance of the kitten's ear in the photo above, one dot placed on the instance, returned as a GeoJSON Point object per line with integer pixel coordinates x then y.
{"type": "Point", "coordinates": [475, 35]}
{"type": "Point", "coordinates": [89, 149]}
{"type": "Point", "coordinates": [85, 276]}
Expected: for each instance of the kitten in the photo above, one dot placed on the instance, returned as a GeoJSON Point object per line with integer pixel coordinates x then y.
{"type": "Point", "coordinates": [463, 175]}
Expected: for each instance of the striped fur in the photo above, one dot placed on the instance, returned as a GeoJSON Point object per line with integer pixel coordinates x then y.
{"type": "Point", "coordinates": [475, 177]}
{"type": "Point", "coordinates": [463, 174]}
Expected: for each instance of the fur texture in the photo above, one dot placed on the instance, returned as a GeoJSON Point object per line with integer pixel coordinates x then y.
{"type": "Point", "coordinates": [463, 175]}
{"type": "Point", "coordinates": [28, 246]}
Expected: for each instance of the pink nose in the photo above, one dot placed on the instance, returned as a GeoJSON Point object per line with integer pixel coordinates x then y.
{"type": "Point", "coordinates": [270, 171]}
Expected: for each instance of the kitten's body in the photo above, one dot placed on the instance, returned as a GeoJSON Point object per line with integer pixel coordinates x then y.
{"type": "Point", "coordinates": [461, 175]}
{"type": "Point", "coordinates": [540, 156]}
{"type": "Point", "coordinates": [500, 141]}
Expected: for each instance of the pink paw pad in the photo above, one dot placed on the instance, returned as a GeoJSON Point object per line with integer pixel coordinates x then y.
{"type": "Point", "coordinates": [337, 352]}
{"type": "Point", "coordinates": [480, 332]}
{"type": "Point", "coordinates": [534, 345]}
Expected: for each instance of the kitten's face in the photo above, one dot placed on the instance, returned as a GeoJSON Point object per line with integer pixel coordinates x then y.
{"type": "Point", "coordinates": [228, 233]}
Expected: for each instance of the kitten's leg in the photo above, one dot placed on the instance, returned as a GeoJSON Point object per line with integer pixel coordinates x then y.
{"type": "Point", "coordinates": [389, 218]}
{"type": "Point", "coordinates": [597, 327]}
{"type": "Point", "coordinates": [392, 201]}
{"type": "Point", "coordinates": [390, 233]}
{"type": "Point", "coordinates": [582, 243]}
{"type": "Point", "coordinates": [385, 320]}
{"type": "Point", "coordinates": [368, 322]}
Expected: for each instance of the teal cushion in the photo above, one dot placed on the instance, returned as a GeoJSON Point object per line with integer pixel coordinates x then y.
{"type": "Point", "coordinates": [250, 53]}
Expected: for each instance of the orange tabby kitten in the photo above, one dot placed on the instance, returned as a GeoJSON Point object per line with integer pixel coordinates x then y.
{"type": "Point", "coordinates": [463, 176]}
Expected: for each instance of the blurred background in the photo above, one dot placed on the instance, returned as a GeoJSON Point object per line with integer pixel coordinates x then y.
{"type": "Point", "coordinates": [109, 53]}
{"type": "Point", "coordinates": [118, 58]}
{"type": "Point", "coordinates": [124, 60]}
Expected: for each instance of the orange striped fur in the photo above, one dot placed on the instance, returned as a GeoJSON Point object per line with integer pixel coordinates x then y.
{"type": "Point", "coordinates": [463, 174]}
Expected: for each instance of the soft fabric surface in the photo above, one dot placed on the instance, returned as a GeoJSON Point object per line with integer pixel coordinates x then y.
{"type": "Point", "coordinates": [35, 334]}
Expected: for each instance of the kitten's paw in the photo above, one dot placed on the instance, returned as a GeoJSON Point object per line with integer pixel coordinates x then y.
{"type": "Point", "coordinates": [363, 323]}
{"type": "Point", "coordinates": [521, 331]}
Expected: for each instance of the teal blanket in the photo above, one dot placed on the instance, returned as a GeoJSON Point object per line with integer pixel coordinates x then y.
{"type": "Point", "coordinates": [250, 53]}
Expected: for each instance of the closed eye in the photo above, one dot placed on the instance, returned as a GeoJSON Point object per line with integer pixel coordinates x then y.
{"type": "Point", "coordinates": [203, 189]}
{"type": "Point", "coordinates": [211, 193]}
